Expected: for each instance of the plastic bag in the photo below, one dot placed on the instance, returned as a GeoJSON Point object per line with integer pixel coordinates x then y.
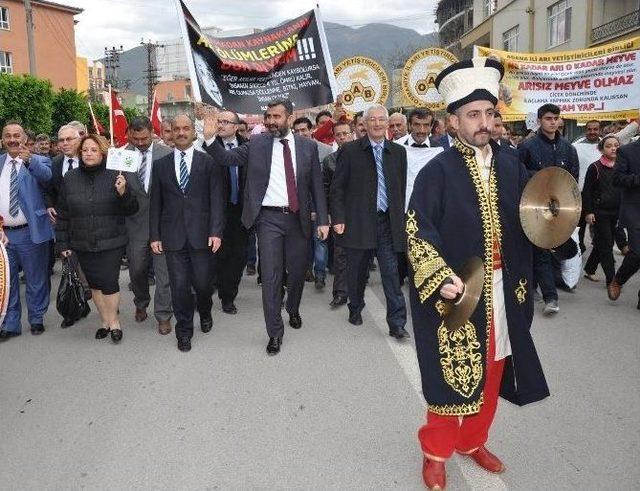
{"type": "Point", "coordinates": [571, 268]}
{"type": "Point", "coordinates": [71, 301]}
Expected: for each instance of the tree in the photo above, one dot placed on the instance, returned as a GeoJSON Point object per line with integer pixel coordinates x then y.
{"type": "Point", "coordinates": [132, 112]}
{"type": "Point", "coordinates": [69, 105]}
{"type": "Point", "coordinates": [101, 112]}
{"type": "Point", "coordinates": [27, 99]}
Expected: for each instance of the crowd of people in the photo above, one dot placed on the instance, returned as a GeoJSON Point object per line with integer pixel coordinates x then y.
{"type": "Point", "coordinates": [187, 221]}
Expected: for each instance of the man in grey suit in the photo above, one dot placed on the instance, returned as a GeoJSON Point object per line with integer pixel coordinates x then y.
{"type": "Point", "coordinates": [283, 177]}
{"type": "Point", "coordinates": [138, 250]}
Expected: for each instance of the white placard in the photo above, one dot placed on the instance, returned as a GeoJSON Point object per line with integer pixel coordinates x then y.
{"type": "Point", "coordinates": [417, 158]}
{"type": "Point", "coordinates": [123, 160]}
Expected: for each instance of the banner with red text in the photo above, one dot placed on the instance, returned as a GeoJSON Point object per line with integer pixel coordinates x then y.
{"type": "Point", "coordinates": [596, 83]}
{"type": "Point", "coordinates": [244, 73]}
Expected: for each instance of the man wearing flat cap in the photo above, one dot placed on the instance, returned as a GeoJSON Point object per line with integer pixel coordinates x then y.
{"type": "Point", "coordinates": [465, 203]}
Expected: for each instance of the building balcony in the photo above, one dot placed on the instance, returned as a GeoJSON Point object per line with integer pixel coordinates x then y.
{"type": "Point", "coordinates": [616, 27]}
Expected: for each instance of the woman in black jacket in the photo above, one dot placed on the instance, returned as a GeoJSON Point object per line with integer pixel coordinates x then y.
{"type": "Point", "coordinates": [92, 207]}
{"type": "Point", "coordinates": [601, 205]}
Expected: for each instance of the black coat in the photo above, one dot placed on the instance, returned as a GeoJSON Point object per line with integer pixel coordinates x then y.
{"type": "Point", "coordinates": [626, 175]}
{"type": "Point", "coordinates": [52, 191]}
{"type": "Point", "coordinates": [242, 173]}
{"type": "Point", "coordinates": [91, 213]}
{"type": "Point", "coordinates": [539, 152]}
{"type": "Point", "coordinates": [174, 217]}
{"type": "Point", "coordinates": [599, 195]}
{"type": "Point", "coordinates": [256, 156]}
{"type": "Point", "coordinates": [450, 219]}
{"type": "Point", "coordinates": [354, 193]}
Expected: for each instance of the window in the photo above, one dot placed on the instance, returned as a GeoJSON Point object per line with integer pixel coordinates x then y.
{"type": "Point", "coordinates": [6, 65]}
{"type": "Point", "coordinates": [4, 18]}
{"type": "Point", "coordinates": [559, 23]}
{"type": "Point", "coordinates": [488, 8]}
{"type": "Point", "coordinates": [510, 39]}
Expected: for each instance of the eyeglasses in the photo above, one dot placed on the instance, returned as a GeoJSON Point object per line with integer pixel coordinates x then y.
{"type": "Point", "coordinates": [226, 121]}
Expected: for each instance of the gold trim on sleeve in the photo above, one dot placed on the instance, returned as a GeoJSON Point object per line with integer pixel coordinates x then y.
{"type": "Point", "coordinates": [521, 291]}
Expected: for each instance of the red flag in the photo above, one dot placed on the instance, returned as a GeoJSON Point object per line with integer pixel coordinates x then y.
{"type": "Point", "coordinates": [156, 116]}
{"type": "Point", "coordinates": [118, 122]}
{"type": "Point", "coordinates": [96, 124]}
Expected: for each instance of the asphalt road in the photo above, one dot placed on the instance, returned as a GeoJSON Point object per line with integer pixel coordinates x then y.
{"type": "Point", "coordinates": [338, 409]}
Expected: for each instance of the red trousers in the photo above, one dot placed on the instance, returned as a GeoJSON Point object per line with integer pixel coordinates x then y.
{"type": "Point", "coordinates": [444, 434]}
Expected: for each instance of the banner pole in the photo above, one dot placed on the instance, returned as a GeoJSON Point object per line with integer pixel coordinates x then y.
{"type": "Point", "coordinates": [325, 52]}
{"type": "Point", "coordinates": [195, 87]}
{"type": "Point", "coordinates": [111, 115]}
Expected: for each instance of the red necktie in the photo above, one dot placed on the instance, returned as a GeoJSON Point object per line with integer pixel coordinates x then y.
{"type": "Point", "coordinates": [292, 192]}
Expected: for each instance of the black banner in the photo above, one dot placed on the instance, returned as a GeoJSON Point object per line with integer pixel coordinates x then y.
{"type": "Point", "coordinates": [244, 73]}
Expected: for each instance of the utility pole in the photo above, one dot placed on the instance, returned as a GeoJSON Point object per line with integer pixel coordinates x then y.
{"type": "Point", "coordinates": [32, 48]}
{"type": "Point", "coordinates": [111, 65]}
{"type": "Point", "coordinates": [151, 71]}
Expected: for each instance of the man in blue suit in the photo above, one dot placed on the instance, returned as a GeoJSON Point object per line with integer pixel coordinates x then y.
{"type": "Point", "coordinates": [26, 227]}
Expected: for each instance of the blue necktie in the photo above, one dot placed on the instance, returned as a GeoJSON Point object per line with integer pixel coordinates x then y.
{"type": "Point", "coordinates": [233, 178]}
{"type": "Point", "coordinates": [382, 188]}
{"type": "Point", "coordinates": [14, 205]}
{"type": "Point", "coordinates": [184, 173]}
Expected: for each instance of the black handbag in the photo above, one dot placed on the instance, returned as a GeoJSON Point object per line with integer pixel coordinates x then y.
{"type": "Point", "coordinates": [71, 301]}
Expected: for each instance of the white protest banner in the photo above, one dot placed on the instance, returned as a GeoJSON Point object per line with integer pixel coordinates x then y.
{"type": "Point", "coordinates": [596, 83]}
{"type": "Point", "coordinates": [123, 160]}
{"type": "Point", "coordinates": [417, 158]}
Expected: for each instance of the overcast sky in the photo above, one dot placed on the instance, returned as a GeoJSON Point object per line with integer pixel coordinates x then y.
{"type": "Point", "coordinates": [125, 22]}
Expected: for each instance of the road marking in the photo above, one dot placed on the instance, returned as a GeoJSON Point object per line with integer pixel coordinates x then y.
{"type": "Point", "coordinates": [405, 354]}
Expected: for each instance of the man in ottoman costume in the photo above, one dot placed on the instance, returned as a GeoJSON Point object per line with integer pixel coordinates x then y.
{"type": "Point", "coordinates": [465, 203]}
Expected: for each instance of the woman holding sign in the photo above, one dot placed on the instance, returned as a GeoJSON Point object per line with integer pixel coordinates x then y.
{"type": "Point", "coordinates": [93, 203]}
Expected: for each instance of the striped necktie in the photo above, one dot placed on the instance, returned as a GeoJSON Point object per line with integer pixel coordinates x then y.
{"type": "Point", "coordinates": [184, 173]}
{"type": "Point", "coordinates": [14, 205]}
{"type": "Point", "coordinates": [382, 188]}
{"type": "Point", "coordinates": [142, 171]}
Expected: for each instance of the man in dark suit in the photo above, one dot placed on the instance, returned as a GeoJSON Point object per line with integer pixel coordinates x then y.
{"type": "Point", "coordinates": [449, 136]}
{"type": "Point", "coordinates": [138, 250]}
{"type": "Point", "coordinates": [627, 176]}
{"type": "Point", "coordinates": [283, 178]}
{"type": "Point", "coordinates": [232, 256]}
{"type": "Point", "coordinates": [367, 210]}
{"type": "Point", "coordinates": [186, 219]}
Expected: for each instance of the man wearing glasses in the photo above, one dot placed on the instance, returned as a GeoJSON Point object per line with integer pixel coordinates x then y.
{"type": "Point", "coordinates": [232, 256]}
{"type": "Point", "coordinates": [367, 211]}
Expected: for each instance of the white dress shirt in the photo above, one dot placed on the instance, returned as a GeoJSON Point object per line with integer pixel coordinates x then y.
{"type": "Point", "coordinates": [147, 175]}
{"type": "Point", "coordinates": [500, 324]}
{"type": "Point", "coordinates": [65, 164]}
{"type": "Point", "coordinates": [5, 187]}
{"type": "Point", "coordinates": [276, 194]}
{"type": "Point", "coordinates": [188, 158]}
{"type": "Point", "coordinates": [409, 141]}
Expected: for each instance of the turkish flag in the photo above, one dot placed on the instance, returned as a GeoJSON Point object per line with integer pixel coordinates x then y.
{"type": "Point", "coordinates": [156, 116]}
{"type": "Point", "coordinates": [118, 122]}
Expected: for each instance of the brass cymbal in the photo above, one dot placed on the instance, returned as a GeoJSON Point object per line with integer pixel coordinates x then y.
{"type": "Point", "coordinates": [550, 207]}
{"type": "Point", "coordinates": [460, 310]}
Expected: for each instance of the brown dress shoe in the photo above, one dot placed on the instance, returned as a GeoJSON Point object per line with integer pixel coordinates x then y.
{"type": "Point", "coordinates": [141, 315]}
{"type": "Point", "coordinates": [613, 290]}
{"type": "Point", "coordinates": [164, 327]}
{"type": "Point", "coordinates": [487, 460]}
{"type": "Point", "coordinates": [434, 474]}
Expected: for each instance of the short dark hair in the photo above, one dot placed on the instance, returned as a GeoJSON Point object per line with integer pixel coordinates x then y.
{"type": "Point", "coordinates": [343, 123]}
{"type": "Point", "coordinates": [322, 113]}
{"type": "Point", "coordinates": [288, 105]}
{"type": "Point", "coordinates": [12, 122]}
{"type": "Point", "coordinates": [592, 121]}
{"type": "Point", "coordinates": [43, 137]}
{"type": "Point", "coordinates": [420, 113]}
{"type": "Point", "coordinates": [30, 135]}
{"type": "Point", "coordinates": [242, 121]}
{"type": "Point", "coordinates": [548, 108]}
{"type": "Point", "coordinates": [140, 123]}
{"type": "Point", "coordinates": [496, 114]}
{"type": "Point", "coordinates": [303, 120]}
{"type": "Point", "coordinates": [602, 142]}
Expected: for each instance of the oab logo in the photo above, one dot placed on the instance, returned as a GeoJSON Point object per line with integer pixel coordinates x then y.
{"type": "Point", "coordinates": [362, 83]}
{"type": "Point", "coordinates": [419, 76]}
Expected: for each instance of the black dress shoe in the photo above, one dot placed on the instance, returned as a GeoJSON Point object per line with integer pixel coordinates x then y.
{"type": "Point", "coordinates": [67, 323]}
{"type": "Point", "coordinates": [184, 344]}
{"type": "Point", "coordinates": [399, 333]}
{"type": "Point", "coordinates": [229, 308]}
{"type": "Point", "coordinates": [337, 301]}
{"type": "Point", "coordinates": [116, 335]}
{"type": "Point", "coordinates": [37, 329]}
{"type": "Point", "coordinates": [295, 321]}
{"type": "Point", "coordinates": [319, 283]}
{"type": "Point", "coordinates": [102, 333]}
{"type": "Point", "coordinates": [273, 348]}
{"type": "Point", "coordinates": [4, 335]}
{"type": "Point", "coordinates": [206, 324]}
{"type": "Point", "coordinates": [355, 318]}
